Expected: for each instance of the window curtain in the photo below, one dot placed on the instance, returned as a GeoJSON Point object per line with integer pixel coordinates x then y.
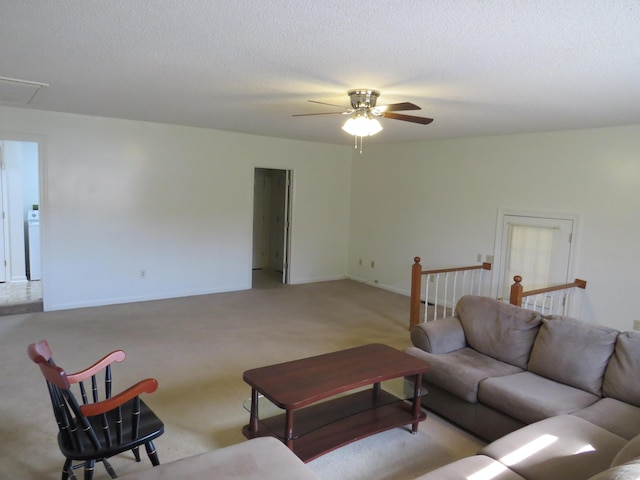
{"type": "Point", "coordinates": [531, 254]}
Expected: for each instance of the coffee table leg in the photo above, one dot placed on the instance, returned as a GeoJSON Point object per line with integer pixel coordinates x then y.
{"type": "Point", "coordinates": [253, 417]}
{"type": "Point", "coordinates": [416, 403]}
{"type": "Point", "coordinates": [288, 434]}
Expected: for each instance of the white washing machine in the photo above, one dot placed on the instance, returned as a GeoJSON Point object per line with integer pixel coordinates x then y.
{"type": "Point", "coordinates": [33, 219]}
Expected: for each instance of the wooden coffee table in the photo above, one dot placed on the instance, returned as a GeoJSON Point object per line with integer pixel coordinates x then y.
{"type": "Point", "coordinates": [298, 388]}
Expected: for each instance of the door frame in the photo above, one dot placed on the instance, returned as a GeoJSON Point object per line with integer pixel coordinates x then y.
{"type": "Point", "coordinates": [5, 260]}
{"type": "Point", "coordinates": [286, 223]}
{"type": "Point", "coordinates": [498, 250]}
{"type": "Point", "coordinates": [42, 142]}
{"type": "Point", "coordinates": [286, 250]}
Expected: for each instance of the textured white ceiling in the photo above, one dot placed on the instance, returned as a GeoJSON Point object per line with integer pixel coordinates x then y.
{"type": "Point", "coordinates": [478, 67]}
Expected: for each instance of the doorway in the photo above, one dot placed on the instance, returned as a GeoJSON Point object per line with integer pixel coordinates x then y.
{"type": "Point", "coordinates": [20, 232]}
{"type": "Point", "coordinates": [539, 248]}
{"type": "Point", "coordinates": [271, 226]}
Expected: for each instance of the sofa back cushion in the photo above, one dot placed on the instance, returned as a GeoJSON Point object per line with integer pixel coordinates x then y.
{"type": "Point", "coordinates": [620, 379]}
{"type": "Point", "coordinates": [497, 329]}
{"type": "Point", "coordinates": [573, 352]}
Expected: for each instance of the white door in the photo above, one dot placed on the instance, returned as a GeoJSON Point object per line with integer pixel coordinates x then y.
{"type": "Point", "coordinates": [537, 248]}
{"type": "Point", "coordinates": [280, 184]}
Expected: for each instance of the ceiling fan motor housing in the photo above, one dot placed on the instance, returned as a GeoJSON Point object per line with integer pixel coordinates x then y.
{"type": "Point", "coordinates": [363, 99]}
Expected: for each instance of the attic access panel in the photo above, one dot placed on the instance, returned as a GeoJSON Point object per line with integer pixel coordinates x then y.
{"type": "Point", "coordinates": [18, 92]}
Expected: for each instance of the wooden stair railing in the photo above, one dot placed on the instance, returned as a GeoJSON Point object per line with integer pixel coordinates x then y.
{"type": "Point", "coordinates": [416, 285]}
{"type": "Point", "coordinates": [518, 294]}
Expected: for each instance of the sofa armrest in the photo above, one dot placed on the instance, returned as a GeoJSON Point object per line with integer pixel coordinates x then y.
{"type": "Point", "coordinates": [628, 453]}
{"type": "Point", "coordinates": [439, 336]}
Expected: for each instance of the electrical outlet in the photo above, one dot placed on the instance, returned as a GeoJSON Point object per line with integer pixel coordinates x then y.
{"type": "Point", "coordinates": [143, 273]}
{"type": "Point", "coordinates": [479, 258]}
{"type": "Point", "coordinates": [636, 324]}
{"type": "Point", "coordinates": [432, 278]}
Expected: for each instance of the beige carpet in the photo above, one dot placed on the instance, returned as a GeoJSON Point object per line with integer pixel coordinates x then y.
{"type": "Point", "coordinates": [197, 348]}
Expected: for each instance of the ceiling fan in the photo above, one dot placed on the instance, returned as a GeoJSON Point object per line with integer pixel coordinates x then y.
{"type": "Point", "coordinates": [363, 113]}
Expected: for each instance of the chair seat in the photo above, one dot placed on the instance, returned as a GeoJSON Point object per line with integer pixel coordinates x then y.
{"type": "Point", "coordinates": [150, 427]}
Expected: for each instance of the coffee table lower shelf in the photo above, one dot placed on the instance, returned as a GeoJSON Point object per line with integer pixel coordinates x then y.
{"type": "Point", "coordinates": [323, 427]}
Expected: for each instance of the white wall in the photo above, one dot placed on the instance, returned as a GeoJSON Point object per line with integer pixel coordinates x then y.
{"type": "Point", "coordinates": [439, 200]}
{"type": "Point", "coordinates": [121, 196]}
{"type": "Point", "coordinates": [30, 178]}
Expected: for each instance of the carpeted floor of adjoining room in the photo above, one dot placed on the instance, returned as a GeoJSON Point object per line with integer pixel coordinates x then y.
{"type": "Point", "coordinates": [198, 348]}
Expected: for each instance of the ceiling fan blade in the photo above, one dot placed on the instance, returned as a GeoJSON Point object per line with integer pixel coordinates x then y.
{"type": "Point", "coordinates": [324, 113]}
{"type": "Point", "coordinates": [330, 104]}
{"type": "Point", "coordinates": [408, 118]}
{"type": "Point", "coordinates": [398, 107]}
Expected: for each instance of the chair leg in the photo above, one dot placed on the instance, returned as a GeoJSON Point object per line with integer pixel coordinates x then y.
{"type": "Point", "coordinates": [136, 453]}
{"type": "Point", "coordinates": [89, 467]}
{"type": "Point", "coordinates": [67, 470]}
{"type": "Point", "coordinates": [109, 468]}
{"type": "Point", "coordinates": [153, 453]}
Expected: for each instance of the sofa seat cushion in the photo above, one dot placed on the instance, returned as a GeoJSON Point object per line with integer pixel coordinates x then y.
{"type": "Point", "coordinates": [498, 329]}
{"type": "Point", "coordinates": [460, 372]}
{"type": "Point", "coordinates": [477, 467]}
{"type": "Point", "coordinates": [573, 352]}
{"type": "Point", "coordinates": [565, 447]}
{"type": "Point", "coordinates": [624, 364]}
{"type": "Point", "coordinates": [628, 471]}
{"type": "Point", "coordinates": [613, 415]}
{"type": "Point", "coordinates": [258, 459]}
{"type": "Point", "coordinates": [529, 397]}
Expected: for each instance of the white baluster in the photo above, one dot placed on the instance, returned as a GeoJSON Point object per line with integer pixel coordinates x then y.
{"type": "Point", "coordinates": [435, 300]}
{"type": "Point", "coordinates": [444, 297]}
{"type": "Point", "coordinates": [426, 299]}
{"type": "Point", "coordinates": [453, 296]}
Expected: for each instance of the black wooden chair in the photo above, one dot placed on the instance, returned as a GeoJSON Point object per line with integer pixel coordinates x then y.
{"type": "Point", "coordinates": [100, 425]}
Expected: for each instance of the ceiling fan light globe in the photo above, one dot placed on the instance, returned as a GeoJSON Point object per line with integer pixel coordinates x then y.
{"type": "Point", "coordinates": [374, 126]}
{"type": "Point", "coordinates": [362, 126]}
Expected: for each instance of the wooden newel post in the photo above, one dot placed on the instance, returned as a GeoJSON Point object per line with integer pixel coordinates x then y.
{"type": "Point", "coordinates": [516, 292]}
{"type": "Point", "coordinates": [416, 287]}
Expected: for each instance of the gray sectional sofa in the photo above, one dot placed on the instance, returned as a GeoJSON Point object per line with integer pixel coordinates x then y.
{"type": "Point", "coordinates": [558, 399]}
{"type": "Point", "coordinates": [262, 458]}
{"type": "Point", "coordinates": [564, 389]}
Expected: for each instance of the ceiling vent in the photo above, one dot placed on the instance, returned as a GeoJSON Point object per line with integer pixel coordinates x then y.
{"type": "Point", "coordinates": [18, 92]}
